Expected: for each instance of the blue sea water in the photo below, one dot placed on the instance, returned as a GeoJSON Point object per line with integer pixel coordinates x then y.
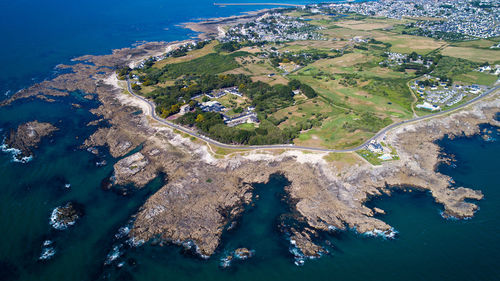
{"type": "Point", "coordinates": [37, 35]}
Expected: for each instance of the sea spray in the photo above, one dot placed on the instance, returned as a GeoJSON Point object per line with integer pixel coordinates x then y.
{"type": "Point", "coordinates": [386, 234]}
{"type": "Point", "coordinates": [64, 216]}
{"type": "Point", "coordinates": [15, 153]}
{"type": "Point", "coordinates": [48, 251]}
{"type": "Point", "coordinates": [114, 254]}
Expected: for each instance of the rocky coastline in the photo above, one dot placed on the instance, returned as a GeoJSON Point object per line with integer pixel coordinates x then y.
{"type": "Point", "coordinates": [211, 28]}
{"type": "Point", "coordinates": [204, 193]}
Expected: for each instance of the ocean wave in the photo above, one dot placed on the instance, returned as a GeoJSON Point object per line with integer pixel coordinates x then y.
{"type": "Point", "coordinates": [133, 242]}
{"type": "Point", "coordinates": [15, 153]}
{"type": "Point", "coordinates": [332, 228]}
{"type": "Point", "coordinates": [114, 254]}
{"type": "Point", "coordinates": [387, 234]}
{"type": "Point", "coordinates": [64, 216]}
{"type": "Point", "coordinates": [445, 216]}
{"type": "Point", "coordinates": [299, 257]}
{"type": "Point", "coordinates": [101, 163]}
{"type": "Point", "coordinates": [490, 139]}
{"type": "Point", "coordinates": [238, 254]}
{"type": "Point", "coordinates": [191, 246]}
{"type": "Point", "coordinates": [122, 232]}
{"type": "Point", "coordinates": [47, 250]}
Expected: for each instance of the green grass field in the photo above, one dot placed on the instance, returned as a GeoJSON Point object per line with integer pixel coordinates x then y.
{"type": "Point", "coordinates": [475, 77]}
{"type": "Point", "coordinates": [208, 64]}
{"type": "Point", "coordinates": [357, 96]}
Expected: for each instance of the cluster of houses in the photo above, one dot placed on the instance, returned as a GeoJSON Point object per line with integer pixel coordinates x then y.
{"type": "Point", "coordinates": [495, 70]}
{"type": "Point", "coordinates": [440, 94]}
{"type": "Point", "coordinates": [247, 116]}
{"type": "Point", "coordinates": [212, 106]}
{"type": "Point", "coordinates": [273, 27]}
{"type": "Point", "coordinates": [470, 18]}
{"type": "Point", "coordinates": [222, 92]}
{"type": "Point", "coordinates": [394, 59]}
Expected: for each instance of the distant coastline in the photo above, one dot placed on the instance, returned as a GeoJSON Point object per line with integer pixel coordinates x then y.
{"type": "Point", "coordinates": [258, 4]}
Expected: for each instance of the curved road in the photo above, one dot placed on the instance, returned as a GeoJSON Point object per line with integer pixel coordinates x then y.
{"type": "Point", "coordinates": [288, 146]}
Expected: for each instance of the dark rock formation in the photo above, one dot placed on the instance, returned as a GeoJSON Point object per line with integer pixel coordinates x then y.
{"type": "Point", "coordinates": [28, 136]}
{"type": "Point", "coordinates": [64, 216]}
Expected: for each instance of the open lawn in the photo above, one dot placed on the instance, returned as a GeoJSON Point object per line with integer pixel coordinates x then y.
{"type": "Point", "coordinates": [475, 77]}
{"type": "Point", "coordinates": [479, 44]}
{"type": "Point", "coordinates": [320, 45]}
{"type": "Point", "coordinates": [344, 33]}
{"type": "Point", "coordinates": [246, 126]}
{"type": "Point", "coordinates": [368, 24]}
{"type": "Point", "coordinates": [408, 43]}
{"type": "Point", "coordinates": [473, 54]}
{"type": "Point", "coordinates": [331, 134]}
{"type": "Point", "coordinates": [258, 70]}
{"type": "Point", "coordinates": [190, 55]}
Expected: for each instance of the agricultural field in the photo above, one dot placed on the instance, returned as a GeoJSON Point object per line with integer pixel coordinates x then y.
{"type": "Point", "coordinates": [369, 24]}
{"type": "Point", "coordinates": [478, 44]}
{"type": "Point", "coordinates": [473, 54]}
{"type": "Point", "coordinates": [408, 43]}
{"type": "Point", "coordinates": [475, 77]}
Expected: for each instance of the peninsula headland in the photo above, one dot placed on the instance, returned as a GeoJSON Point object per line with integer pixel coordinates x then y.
{"type": "Point", "coordinates": [347, 106]}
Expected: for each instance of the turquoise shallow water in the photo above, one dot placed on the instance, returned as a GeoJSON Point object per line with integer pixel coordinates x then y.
{"type": "Point", "coordinates": [41, 35]}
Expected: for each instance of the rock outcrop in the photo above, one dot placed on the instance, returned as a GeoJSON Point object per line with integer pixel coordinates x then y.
{"type": "Point", "coordinates": [27, 137]}
{"type": "Point", "coordinates": [64, 216]}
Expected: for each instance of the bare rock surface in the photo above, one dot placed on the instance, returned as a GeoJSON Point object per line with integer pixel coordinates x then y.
{"type": "Point", "coordinates": [134, 169]}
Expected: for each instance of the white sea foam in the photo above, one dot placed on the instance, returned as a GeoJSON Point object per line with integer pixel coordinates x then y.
{"type": "Point", "coordinates": [56, 223]}
{"type": "Point", "coordinates": [447, 217]}
{"type": "Point", "coordinates": [298, 255]}
{"type": "Point", "coordinates": [113, 254]}
{"type": "Point", "coordinates": [122, 232]}
{"type": "Point", "coordinates": [15, 153]}
{"type": "Point", "coordinates": [133, 242]}
{"type": "Point", "coordinates": [453, 218]}
{"type": "Point", "coordinates": [332, 228]}
{"type": "Point", "coordinates": [47, 253]}
{"type": "Point", "coordinates": [226, 261]}
{"type": "Point", "coordinates": [387, 234]}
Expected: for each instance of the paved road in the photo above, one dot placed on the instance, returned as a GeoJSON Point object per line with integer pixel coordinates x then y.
{"type": "Point", "coordinates": [288, 146]}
